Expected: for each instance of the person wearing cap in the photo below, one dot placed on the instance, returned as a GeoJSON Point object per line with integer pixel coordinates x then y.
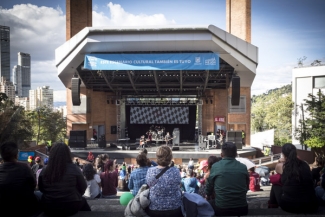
{"type": "Point", "coordinates": [37, 165]}
{"type": "Point", "coordinates": [205, 166]}
{"type": "Point", "coordinates": [229, 180]}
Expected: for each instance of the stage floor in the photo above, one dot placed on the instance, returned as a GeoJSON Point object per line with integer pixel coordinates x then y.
{"type": "Point", "coordinates": [186, 151]}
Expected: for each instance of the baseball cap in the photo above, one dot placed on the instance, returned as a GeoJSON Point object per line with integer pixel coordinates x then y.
{"type": "Point", "coordinates": [203, 164]}
{"type": "Point", "coordinates": [37, 159]}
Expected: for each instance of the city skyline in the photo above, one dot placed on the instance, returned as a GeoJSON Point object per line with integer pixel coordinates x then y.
{"type": "Point", "coordinates": [284, 31]}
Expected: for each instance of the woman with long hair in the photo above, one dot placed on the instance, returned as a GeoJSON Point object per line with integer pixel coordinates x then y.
{"type": "Point", "coordinates": [62, 184]}
{"type": "Point", "coordinates": [93, 182]}
{"type": "Point", "coordinates": [297, 193]}
{"type": "Point", "coordinates": [109, 179]}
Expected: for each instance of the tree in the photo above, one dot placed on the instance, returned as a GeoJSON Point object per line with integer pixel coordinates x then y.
{"type": "Point", "coordinates": [311, 130]}
{"type": "Point", "coordinates": [273, 110]}
{"type": "Point", "coordinates": [47, 125]}
{"type": "Point", "coordinates": [15, 125]}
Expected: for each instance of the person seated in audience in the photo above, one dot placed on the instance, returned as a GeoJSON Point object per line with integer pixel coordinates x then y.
{"type": "Point", "coordinates": [138, 176]}
{"type": "Point", "coordinates": [205, 166]}
{"type": "Point", "coordinates": [297, 193]}
{"type": "Point", "coordinates": [320, 189]}
{"type": "Point", "coordinates": [93, 182]}
{"type": "Point", "coordinates": [229, 181]}
{"type": "Point", "coordinates": [165, 194]}
{"type": "Point", "coordinates": [152, 163]}
{"type": "Point", "coordinates": [190, 184]}
{"type": "Point", "coordinates": [62, 184]}
{"type": "Point", "coordinates": [316, 171]}
{"type": "Point", "coordinates": [90, 157]}
{"type": "Point", "coordinates": [36, 166]}
{"type": "Point", "coordinates": [17, 184]}
{"type": "Point", "coordinates": [109, 179]}
{"type": "Point", "coordinates": [100, 162]}
{"type": "Point", "coordinates": [254, 180]}
{"type": "Point", "coordinates": [46, 160]}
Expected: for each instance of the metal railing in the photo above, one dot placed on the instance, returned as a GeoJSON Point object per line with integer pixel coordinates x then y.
{"type": "Point", "coordinates": [268, 159]}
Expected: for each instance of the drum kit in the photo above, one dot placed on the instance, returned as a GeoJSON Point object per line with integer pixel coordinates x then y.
{"type": "Point", "coordinates": [157, 132]}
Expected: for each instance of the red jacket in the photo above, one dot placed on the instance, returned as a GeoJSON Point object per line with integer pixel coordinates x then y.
{"type": "Point", "coordinates": [254, 181]}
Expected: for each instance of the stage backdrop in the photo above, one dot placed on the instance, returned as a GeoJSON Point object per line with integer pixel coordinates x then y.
{"type": "Point", "coordinates": [140, 118]}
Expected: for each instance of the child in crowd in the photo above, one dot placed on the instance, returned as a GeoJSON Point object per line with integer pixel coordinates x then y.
{"type": "Point", "coordinates": [254, 180]}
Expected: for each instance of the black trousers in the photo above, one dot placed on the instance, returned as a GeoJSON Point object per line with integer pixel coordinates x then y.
{"type": "Point", "coordinates": [65, 208]}
{"type": "Point", "coordinates": [166, 213]}
{"type": "Point", "coordinates": [237, 211]}
{"type": "Point", "coordinates": [309, 206]}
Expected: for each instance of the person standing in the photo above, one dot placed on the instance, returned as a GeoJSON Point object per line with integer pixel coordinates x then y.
{"type": "Point", "coordinates": [254, 180]}
{"type": "Point", "coordinates": [243, 136]}
{"type": "Point", "coordinates": [17, 184]}
{"type": "Point", "coordinates": [229, 181]}
{"type": "Point", "coordinates": [168, 138]}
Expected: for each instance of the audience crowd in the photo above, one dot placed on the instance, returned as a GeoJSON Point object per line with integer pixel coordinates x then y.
{"type": "Point", "coordinates": [60, 185]}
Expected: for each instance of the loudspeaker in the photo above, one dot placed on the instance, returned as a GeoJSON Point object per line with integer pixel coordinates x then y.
{"type": "Point", "coordinates": [75, 91]}
{"type": "Point", "coordinates": [113, 129]}
{"type": "Point", "coordinates": [133, 147]}
{"type": "Point", "coordinates": [102, 144]}
{"type": "Point", "coordinates": [175, 148]}
{"type": "Point", "coordinates": [235, 95]}
{"type": "Point", "coordinates": [112, 145]}
{"type": "Point", "coordinates": [78, 139]}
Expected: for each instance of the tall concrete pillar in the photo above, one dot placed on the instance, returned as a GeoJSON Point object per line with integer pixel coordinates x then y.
{"type": "Point", "coordinates": [78, 16]}
{"type": "Point", "coordinates": [238, 18]}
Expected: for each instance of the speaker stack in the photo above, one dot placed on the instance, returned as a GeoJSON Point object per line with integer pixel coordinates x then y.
{"type": "Point", "coordinates": [78, 139]}
{"type": "Point", "coordinates": [75, 91]}
{"type": "Point", "coordinates": [235, 93]}
{"type": "Point", "coordinates": [113, 129]}
{"type": "Point", "coordinates": [236, 138]}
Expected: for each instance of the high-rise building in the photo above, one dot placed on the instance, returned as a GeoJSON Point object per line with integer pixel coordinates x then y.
{"type": "Point", "coordinates": [8, 88]}
{"type": "Point", "coordinates": [22, 101]}
{"type": "Point", "coordinates": [5, 52]}
{"type": "Point", "coordinates": [21, 76]}
{"type": "Point", "coordinates": [41, 97]}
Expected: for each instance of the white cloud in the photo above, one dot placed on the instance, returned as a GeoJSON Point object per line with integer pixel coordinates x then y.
{"type": "Point", "coordinates": [272, 77]}
{"type": "Point", "coordinates": [120, 17]}
{"type": "Point", "coordinates": [59, 96]}
{"type": "Point", "coordinates": [34, 30]}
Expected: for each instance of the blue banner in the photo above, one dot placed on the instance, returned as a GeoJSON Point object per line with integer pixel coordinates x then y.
{"type": "Point", "coordinates": [168, 61]}
{"type": "Point", "coordinates": [23, 155]}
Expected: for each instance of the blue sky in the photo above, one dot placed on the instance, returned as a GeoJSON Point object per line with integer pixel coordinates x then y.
{"type": "Point", "coordinates": [284, 30]}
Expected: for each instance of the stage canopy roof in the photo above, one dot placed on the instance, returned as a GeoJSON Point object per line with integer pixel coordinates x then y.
{"type": "Point", "coordinates": [156, 61]}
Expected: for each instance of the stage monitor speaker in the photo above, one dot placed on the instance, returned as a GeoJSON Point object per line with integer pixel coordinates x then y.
{"type": "Point", "coordinates": [133, 147]}
{"type": "Point", "coordinates": [175, 148]}
{"type": "Point", "coordinates": [75, 91]}
{"type": "Point", "coordinates": [235, 94]}
{"type": "Point", "coordinates": [112, 145]}
{"type": "Point", "coordinates": [113, 129]}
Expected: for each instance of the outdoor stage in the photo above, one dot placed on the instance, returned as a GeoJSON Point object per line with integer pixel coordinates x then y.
{"type": "Point", "coordinates": [186, 151]}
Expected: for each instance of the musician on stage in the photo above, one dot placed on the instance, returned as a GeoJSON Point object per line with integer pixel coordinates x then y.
{"type": "Point", "coordinates": [149, 134]}
{"type": "Point", "coordinates": [142, 142]}
{"type": "Point", "coordinates": [168, 138]}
